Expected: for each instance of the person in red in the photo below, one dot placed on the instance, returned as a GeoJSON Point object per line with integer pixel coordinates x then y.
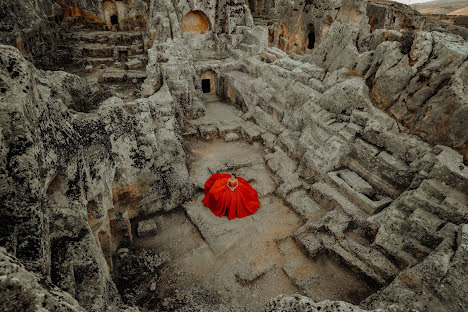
{"type": "Point", "coordinates": [231, 196]}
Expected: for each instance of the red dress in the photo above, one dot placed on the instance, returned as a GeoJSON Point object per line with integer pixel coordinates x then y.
{"type": "Point", "coordinates": [222, 201]}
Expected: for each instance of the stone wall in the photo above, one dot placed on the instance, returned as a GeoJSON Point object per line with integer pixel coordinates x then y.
{"type": "Point", "coordinates": [72, 180]}
{"type": "Point", "coordinates": [32, 27]}
{"type": "Point", "coordinates": [97, 14]}
{"type": "Point", "coordinates": [289, 23]}
{"type": "Point", "coordinates": [25, 291]}
{"type": "Point", "coordinates": [397, 50]}
{"type": "Point", "coordinates": [36, 28]}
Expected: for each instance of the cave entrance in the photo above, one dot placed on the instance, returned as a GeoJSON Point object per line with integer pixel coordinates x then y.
{"type": "Point", "coordinates": [114, 20]}
{"type": "Point", "coordinates": [209, 81]}
{"type": "Point", "coordinates": [195, 23]}
{"type": "Point", "coordinates": [206, 85]}
{"type": "Point", "coordinates": [311, 37]}
{"type": "Point", "coordinates": [111, 14]}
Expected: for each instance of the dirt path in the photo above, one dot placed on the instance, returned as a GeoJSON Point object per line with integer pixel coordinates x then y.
{"type": "Point", "coordinates": [245, 261]}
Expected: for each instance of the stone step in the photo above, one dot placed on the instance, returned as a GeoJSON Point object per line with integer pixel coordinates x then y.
{"type": "Point", "coordinates": [442, 201]}
{"type": "Point", "coordinates": [138, 61]}
{"type": "Point", "coordinates": [351, 260]}
{"type": "Point", "coordinates": [281, 164]}
{"type": "Point", "coordinates": [389, 167]}
{"type": "Point", "coordinates": [140, 75]}
{"type": "Point", "coordinates": [395, 244]}
{"type": "Point", "coordinates": [96, 50]}
{"type": "Point", "coordinates": [303, 205]}
{"type": "Point", "coordinates": [103, 50]}
{"type": "Point", "coordinates": [321, 268]}
{"type": "Point", "coordinates": [212, 98]}
{"type": "Point", "coordinates": [373, 178]}
{"type": "Point", "coordinates": [251, 132]}
{"type": "Point", "coordinates": [373, 258]}
{"type": "Point", "coordinates": [105, 37]}
{"type": "Point", "coordinates": [141, 57]}
{"type": "Point", "coordinates": [113, 75]}
{"type": "Point", "coordinates": [249, 48]}
{"type": "Point", "coordinates": [100, 60]}
{"type": "Point", "coordinates": [330, 198]}
{"type": "Point", "coordinates": [358, 191]}
{"type": "Point", "coordinates": [121, 75]}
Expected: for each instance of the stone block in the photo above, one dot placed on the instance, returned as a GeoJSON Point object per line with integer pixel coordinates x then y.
{"type": "Point", "coordinates": [313, 70]}
{"type": "Point", "coordinates": [252, 132]}
{"type": "Point", "coordinates": [312, 244]}
{"type": "Point", "coordinates": [228, 128]}
{"type": "Point", "coordinates": [136, 74]}
{"type": "Point", "coordinates": [356, 182]}
{"type": "Point", "coordinates": [268, 139]}
{"type": "Point", "coordinates": [251, 273]}
{"type": "Point", "coordinates": [288, 63]}
{"type": "Point", "coordinates": [113, 76]}
{"type": "Point", "coordinates": [302, 204]}
{"type": "Point", "coordinates": [147, 228]}
{"type": "Point", "coordinates": [231, 137]}
{"type": "Point", "coordinates": [208, 132]}
{"type": "Point", "coordinates": [134, 64]}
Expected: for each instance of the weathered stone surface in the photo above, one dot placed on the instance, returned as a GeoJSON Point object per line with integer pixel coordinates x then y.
{"type": "Point", "coordinates": [302, 303]}
{"type": "Point", "coordinates": [79, 191]}
{"type": "Point", "coordinates": [147, 228]}
{"type": "Point", "coordinates": [344, 97]}
{"type": "Point", "coordinates": [303, 204]}
{"type": "Point", "coordinates": [22, 289]}
{"type": "Point", "coordinates": [231, 137]}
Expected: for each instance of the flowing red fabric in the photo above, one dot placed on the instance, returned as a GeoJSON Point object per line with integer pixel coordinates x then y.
{"type": "Point", "coordinates": [222, 201]}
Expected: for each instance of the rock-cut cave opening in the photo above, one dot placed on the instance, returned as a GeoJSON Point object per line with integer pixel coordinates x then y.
{"type": "Point", "coordinates": [114, 20]}
{"type": "Point", "coordinates": [206, 85]}
{"type": "Point", "coordinates": [311, 37]}
{"type": "Point", "coordinates": [194, 23]}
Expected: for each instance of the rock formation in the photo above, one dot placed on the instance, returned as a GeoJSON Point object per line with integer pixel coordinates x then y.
{"type": "Point", "coordinates": [359, 108]}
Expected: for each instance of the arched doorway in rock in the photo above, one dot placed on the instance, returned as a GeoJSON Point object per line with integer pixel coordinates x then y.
{"type": "Point", "coordinates": [195, 23]}
{"type": "Point", "coordinates": [111, 14]}
{"type": "Point", "coordinates": [311, 36]}
{"type": "Point", "coordinates": [114, 20]}
{"type": "Point", "coordinates": [209, 82]}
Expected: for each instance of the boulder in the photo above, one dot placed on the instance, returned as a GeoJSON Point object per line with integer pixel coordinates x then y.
{"type": "Point", "coordinates": [147, 228]}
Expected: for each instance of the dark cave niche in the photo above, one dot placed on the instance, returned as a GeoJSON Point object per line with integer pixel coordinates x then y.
{"type": "Point", "coordinates": [311, 37]}
{"type": "Point", "coordinates": [114, 20]}
{"type": "Point", "coordinates": [206, 85]}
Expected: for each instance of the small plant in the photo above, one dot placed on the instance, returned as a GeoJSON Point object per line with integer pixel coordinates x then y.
{"type": "Point", "coordinates": [14, 297]}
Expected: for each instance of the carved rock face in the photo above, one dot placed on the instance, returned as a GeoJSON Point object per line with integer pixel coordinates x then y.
{"type": "Point", "coordinates": [195, 23]}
